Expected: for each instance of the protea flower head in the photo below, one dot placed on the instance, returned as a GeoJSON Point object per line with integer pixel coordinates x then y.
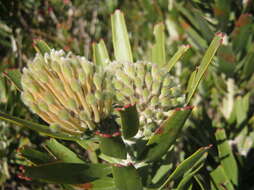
{"type": "Point", "coordinates": [67, 91]}
{"type": "Point", "coordinates": [154, 91]}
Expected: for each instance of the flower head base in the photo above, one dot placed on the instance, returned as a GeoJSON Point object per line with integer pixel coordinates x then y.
{"type": "Point", "coordinates": [149, 86]}
{"type": "Point", "coordinates": [67, 91]}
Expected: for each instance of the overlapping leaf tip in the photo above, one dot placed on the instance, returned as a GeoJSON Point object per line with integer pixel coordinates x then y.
{"type": "Point", "coordinates": [149, 86]}
{"type": "Point", "coordinates": [67, 91]}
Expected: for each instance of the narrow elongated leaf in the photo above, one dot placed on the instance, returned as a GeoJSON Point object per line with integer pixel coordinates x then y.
{"type": "Point", "coordinates": [36, 156]}
{"type": "Point", "coordinates": [176, 57]}
{"type": "Point", "coordinates": [191, 82]}
{"type": "Point", "coordinates": [127, 178]}
{"type": "Point", "coordinates": [248, 68]}
{"type": "Point", "coordinates": [122, 48]}
{"type": "Point", "coordinates": [196, 19]}
{"type": "Point", "coordinates": [241, 108]}
{"type": "Point", "coordinates": [186, 179]}
{"type": "Point", "coordinates": [200, 182]}
{"type": "Point", "coordinates": [41, 47]}
{"type": "Point", "coordinates": [228, 161]}
{"type": "Point", "coordinates": [188, 14]}
{"type": "Point", "coordinates": [161, 172]}
{"type": "Point", "coordinates": [158, 50]}
{"type": "Point", "coordinates": [194, 37]}
{"type": "Point", "coordinates": [166, 134]}
{"type": "Point", "coordinates": [3, 90]}
{"type": "Point", "coordinates": [109, 159]}
{"type": "Point", "coordinates": [45, 130]}
{"type": "Point", "coordinates": [189, 163]}
{"type": "Point", "coordinates": [68, 173]}
{"type": "Point", "coordinates": [130, 121]}
{"type": "Point", "coordinates": [14, 75]}
{"type": "Point", "coordinates": [100, 53]}
{"type": "Point", "coordinates": [220, 179]}
{"type": "Point", "coordinates": [113, 147]}
{"type": "Point", "coordinates": [203, 25]}
{"type": "Point", "coordinates": [204, 64]}
{"type": "Point", "coordinates": [61, 152]}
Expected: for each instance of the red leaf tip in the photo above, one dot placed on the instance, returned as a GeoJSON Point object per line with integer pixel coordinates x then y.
{"type": "Point", "coordinates": [124, 107]}
{"type": "Point", "coordinates": [159, 130]}
{"type": "Point", "coordinates": [104, 135]}
{"type": "Point", "coordinates": [208, 147]}
{"type": "Point", "coordinates": [21, 176]}
{"type": "Point", "coordinates": [184, 108]}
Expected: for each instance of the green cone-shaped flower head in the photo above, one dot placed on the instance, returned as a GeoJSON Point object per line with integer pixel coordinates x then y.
{"type": "Point", "coordinates": [150, 87]}
{"type": "Point", "coordinates": [67, 91]}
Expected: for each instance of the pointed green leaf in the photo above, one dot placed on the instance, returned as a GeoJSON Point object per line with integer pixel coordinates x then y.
{"type": "Point", "coordinates": [248, 68]}
{"type": "Point", "coordinates": [204, 64]}
{"type": "Point", "coordinates": [122, 48]}
{"type": "Point", "coordinates": [166, 134]}
{"type": "Point", "coordinates": [194, 37]}
{"type": "Point", "coordinates": [100, 53]}
{"type": "Point", "coordinates": [188, 13]}
{"type": "Point", "coordinates": [45, 130]}
{"type": "Point", "coordinates": [3, 90]}
{"type": "Point", "coordinates": [200, 182]}
{"type": "Point", "coordinates": [220, 179]}
{"type": "Point", "coordinates": [191, 82]}
{"type": "Point", "coordinates": [185, 182]}
{"type": "Point", "coordinates": [196, 19]}
{"type": "Point", "coordinates": [198, 23]}
{"type": "Point", "coordinates": [161, 172]}
{"type": "Point", "coordinates": [130, 121]}
{"type": "Point", "coordinates": [41, 47]}
{"type": "Point", "coordinates": [158, 50]}
{"type": "Point", "coordinates": [241, 108]}
{"type": "Point", "coordinates": [68, 173]}
{"type": "Point", "coordinates": [113, 147]}
{"type": "Point", "coordinates": [127, 178]}
{"type": "Point", "coordinates": [245, 102]}
{"type": "Point", "coordinates": [35, 156]}
{"type": "Point", "coordinates": [188, 164]}
{"type": "Point", "coordinates": [61, 152]}
{"type": "Point", "coordinates": [14, 75]}
{"type": "Point", "coordinates": [228, 161]}
{"type": "Point", "coordinates": [203, 25]}
{"type": "Point", "coordinates": [109, 159]}
{"type": "Point", "coordinates": [106, 183]}
{"type": "Point", "coordinates": [176, 57]}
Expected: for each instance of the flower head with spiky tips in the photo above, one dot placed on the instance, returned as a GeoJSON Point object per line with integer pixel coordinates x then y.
{"type": "Point", "coordinates": [150, 87]}
{"type": "Point", "coordinates": [67, 91]}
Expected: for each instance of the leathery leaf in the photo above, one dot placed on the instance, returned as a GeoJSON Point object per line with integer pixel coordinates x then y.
{"type": "Point", "coordinates": [166, 134]}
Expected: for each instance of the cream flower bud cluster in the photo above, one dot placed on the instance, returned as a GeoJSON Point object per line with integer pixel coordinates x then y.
{"type": "Point", "coordinates": [151, 88]}
{"type": "Point", "coordinates": [67, 91]}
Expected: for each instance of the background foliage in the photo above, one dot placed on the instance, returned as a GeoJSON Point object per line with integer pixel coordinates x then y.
{"type": "Point", "coordinates": [224, 104]}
